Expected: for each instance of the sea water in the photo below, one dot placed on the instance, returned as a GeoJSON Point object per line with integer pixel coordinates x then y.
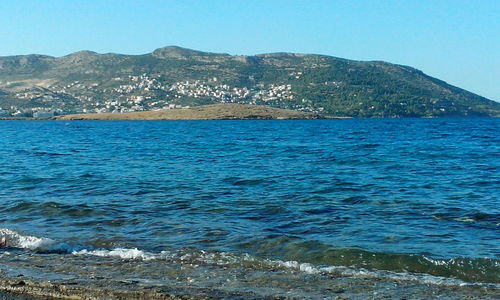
{"type": "Point", "coordinates": [168, 202]}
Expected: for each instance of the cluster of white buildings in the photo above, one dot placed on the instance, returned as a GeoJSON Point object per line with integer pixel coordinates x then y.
{"type": "Point", "coordinates": [35, 112]}
{"type": "Point", "coordinates": [145, 92]}
{"type": "Point", "coordinates": [276, 92]}
{"type": "Point", "coordinates": [200, 89]}
{"type": "Point", "coordinates": [73, 85]}
{"type": "Point", "coordinates": [142, 82]}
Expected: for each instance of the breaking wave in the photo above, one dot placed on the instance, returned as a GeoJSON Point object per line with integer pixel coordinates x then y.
{"type": "Point", "coordinates": [18, 240]}
{"type": "Point", "coordinates": [247, 261]}
{"type": "Point", "coordinates": [454, 271]}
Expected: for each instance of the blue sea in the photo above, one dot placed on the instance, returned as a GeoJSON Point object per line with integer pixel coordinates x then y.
{"type": "Point", "coordinates": [237, 204]}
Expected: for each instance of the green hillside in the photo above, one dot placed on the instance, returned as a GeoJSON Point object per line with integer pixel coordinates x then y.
{"type": "Point", "coordinates": [174, 77]}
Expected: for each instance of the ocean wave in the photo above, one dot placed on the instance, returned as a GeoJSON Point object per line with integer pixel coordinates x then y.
{"type": "Point", "coordinates": [18, 240]}
{"type": "Point", "coordinates": [424, 269]}
{"type": "Point", "coordinates": [364, 273]}
{"type": "Point", "coordinates": [122, 253]}
{"type": "Point", "coordinates": [247, 261]}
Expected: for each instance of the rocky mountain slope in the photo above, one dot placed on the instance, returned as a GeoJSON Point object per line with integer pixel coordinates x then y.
{"type": "Point", "coordinates": [174, 77]}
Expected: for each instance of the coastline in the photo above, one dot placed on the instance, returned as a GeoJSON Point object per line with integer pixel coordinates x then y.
{"type": "Point", "coordinates": [204, 112]}
{"type": "Point", "coordinates": [220, 111]}
{"type": "Point", "coordinates": [340, 288]}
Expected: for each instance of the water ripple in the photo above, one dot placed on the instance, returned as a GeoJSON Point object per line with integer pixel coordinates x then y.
{"type": "Point", "coordinates": [379, 194]}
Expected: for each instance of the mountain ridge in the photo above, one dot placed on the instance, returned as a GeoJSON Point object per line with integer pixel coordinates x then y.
{"type": "Point", "coordinates": [172, 76]}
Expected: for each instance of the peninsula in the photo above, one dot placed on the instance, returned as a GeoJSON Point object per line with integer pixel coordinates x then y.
{"type": "Point", "coordinates": [204, 112]}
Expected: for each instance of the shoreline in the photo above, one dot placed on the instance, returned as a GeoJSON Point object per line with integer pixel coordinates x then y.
{"type": "Point", "coordinates": [32, 290]}
{"type": "Point", "coordinates": [24, 288]}
{"type": "Point", "coordinates": [204, 112]}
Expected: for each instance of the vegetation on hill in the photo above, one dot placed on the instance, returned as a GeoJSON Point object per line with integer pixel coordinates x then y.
{"type": "Point", "coordinates": [174, 77]}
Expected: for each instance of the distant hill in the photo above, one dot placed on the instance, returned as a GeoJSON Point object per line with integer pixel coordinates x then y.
{"type": "Point", "coordinates": [174, 77]}
{"type": "Point", "coordinates": [203, 112]}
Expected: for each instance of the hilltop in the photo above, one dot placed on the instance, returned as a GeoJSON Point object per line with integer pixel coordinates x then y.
{"type": "Point", "coordinates": [174, 77]}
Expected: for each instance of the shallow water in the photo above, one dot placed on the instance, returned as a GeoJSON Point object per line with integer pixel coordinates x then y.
{"type": "Point", "coordinates": [412, 198]}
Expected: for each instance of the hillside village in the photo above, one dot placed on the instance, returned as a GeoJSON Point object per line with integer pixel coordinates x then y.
{"type": "Point", "coordinates": [141, 93]}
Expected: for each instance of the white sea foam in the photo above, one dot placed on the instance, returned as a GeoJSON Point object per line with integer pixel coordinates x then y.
{"type": "Point", "coordinates": [225, 258]}
{"type": "Point", "coordinates": [17, 240]}
{"type": "Point", "coordinates": [6, 253]}
{"type": "Point", "coordinates": [122, 253]}
{"type": "Point", "coordinates": [364, 273]}
{"type": "Point", "coordinates": [464, 219]}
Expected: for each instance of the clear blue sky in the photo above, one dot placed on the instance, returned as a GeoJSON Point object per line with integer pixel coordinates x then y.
{"type": "Point", "coordinates": [455, 40]}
